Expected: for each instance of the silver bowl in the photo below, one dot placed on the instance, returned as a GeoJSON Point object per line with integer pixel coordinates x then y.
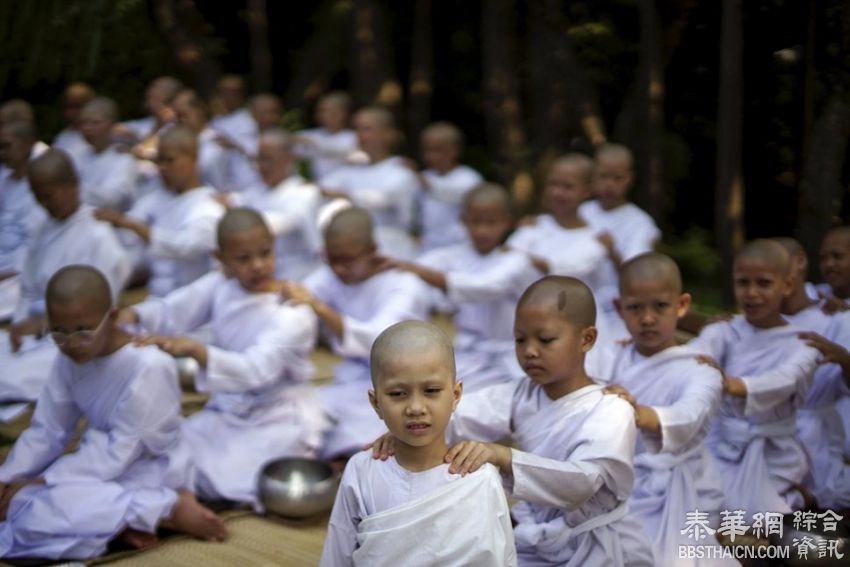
{"type": "Point", "coordinates": [789, 534]}
{"type": "Point", "coordinates": [297, 488]}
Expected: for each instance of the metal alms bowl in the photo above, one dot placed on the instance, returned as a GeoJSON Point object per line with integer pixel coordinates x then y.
{"type": "Point", "coordinates": [297, 488]}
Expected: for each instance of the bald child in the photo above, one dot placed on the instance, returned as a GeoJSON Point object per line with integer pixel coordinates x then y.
{"type": "Point", "coordinates": [70, 139]}
{"type": "Point", "coordinates": [410, 509]}
{"type": "Point", "coordinates": [675, 396]}
{"type": "Point", "coordinates": [70, 235]}
{"type": "Point", "coordinates": [572, 465]}
{"type": "Point", "coordinates": [355, 297]}
{"type": "Point", "coordinates": [254, 366]}
{"type": "Point", "coordinates": [445, 181]}
{"type": "Point", "coordinates": [132, 473]}
{"type": "Point", "coordinates": [175, 228]}
{"type": "Point", "coordinates": [768, 370]}
{"type": "Point", "coordinates": [330, 144]}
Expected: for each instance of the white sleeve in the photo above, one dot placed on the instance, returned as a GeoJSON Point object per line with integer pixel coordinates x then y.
{"type": "Point", "coordinates": [147, 421]}
{"type": "Point", "coordinates": [681, 420]}
{"type": "Point", "coordinates": [512, 274]}
{"type": "Point", "coordinates": [30, 300]}
{"type": "Point", "coordinates": [641, 239]}
{"type": "Point", "coordinates": [711, 341]}
{"type": "Point", "coordinates": [196, 236]}
{"type": "Point", "coordinates": [181, 311]}
{"type": "Point", "coordinates": [604, 459]}
{"type": "Point", "coordinates": [483, 415]}
{"type": "Point", "coordinates": [53, 424]}
{"type": "Point", "coordinates": [283, 345]}
{"type": "Point", "coordinates": [399, 303]}
{"type": "Point", "coordinates": [776, 386]}
{"type": "Point", "coordinates": [341, 539]}
{"type": "Point", "coordinates": [452, 189]}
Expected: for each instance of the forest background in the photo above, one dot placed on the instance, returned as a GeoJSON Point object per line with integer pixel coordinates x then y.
{"type": "Point", "coordinates": [738, 112]}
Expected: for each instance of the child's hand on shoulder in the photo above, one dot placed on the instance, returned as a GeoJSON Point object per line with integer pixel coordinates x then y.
{"type": "Point", "coordinates": [709, 361]}
{"type": "Point", "coordinates": [296, 292]}
{"type": "Point", "coordinates": [468, 456]}
{"type": "Point", "coordinates": [832, 305]}
{"type": "Point", "coordinates": [175, 346]}
{"type": "Point", "coordinates": [383, 447]}
{"type": "Point", "coordinates": [621, 393]}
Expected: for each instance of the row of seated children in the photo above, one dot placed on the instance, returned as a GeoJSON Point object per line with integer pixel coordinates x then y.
{"type": "Point", "coordinates": [355, 223]}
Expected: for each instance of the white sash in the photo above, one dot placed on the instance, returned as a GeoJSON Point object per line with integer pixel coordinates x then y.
{"type": "Point", "coordinates": [465, 523]}
{"type": "Point", "coordinates": [736, 434]}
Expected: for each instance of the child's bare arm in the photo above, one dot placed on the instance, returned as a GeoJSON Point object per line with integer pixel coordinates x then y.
{"type": "Point", "coordinates": [178, 346]}
{"type": "Point", "coordinates": [831, 352]}
{"type": "Point", "coordinates": [119, 220]}
{"type": "Point", "coordinates": [329, 316]}
{"type": "Point", "coordinates": [468, 456]}
{"type": "Point", "coordinates": [433, 278]}
{"type": "Point", "coordinates": [646, 418]}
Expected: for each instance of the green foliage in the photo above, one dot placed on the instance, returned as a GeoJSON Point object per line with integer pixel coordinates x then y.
{"type": "Point", "coordinates": [699, 262]}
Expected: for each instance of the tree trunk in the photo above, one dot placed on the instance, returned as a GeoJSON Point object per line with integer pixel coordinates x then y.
{"type": "Point", "coordinates": [729, 196]}
{"type": "Point", "coordinates": [176, 19]}
{"type": "Point", "coordinates": [421, 84]}
{"type": "Point", "coordinates": [821, 192]}
{"type": "Point", "coordinates": [320, 57]}
{"type": "Point", "coordinates": [502, 105]}
{"type": "Point", "coordinates": [261, 57]}
{"type": "Point", "coordinates": [649, 163]}
{"type": "Point", "coordinates": [372, 78]}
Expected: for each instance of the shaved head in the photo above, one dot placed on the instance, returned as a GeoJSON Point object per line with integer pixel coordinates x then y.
{"type": "Point", "coordinates": [79, 285]}
{"type": "Point", "coordinates": [53, 167]}
{"type": "Point", "coordinates": [444, 131]}
{"type": "Point", "coordinates": [181, 139]}
{"type": "Point", "coordinates": [278, 138]}
{"type": "Point", "coordinates": [569, 297]}
{"type": "Point", "coordinates": [409, 339]}
{"type": "Point", "coordinates": [237, 221]}
{"type": "Point", "coordinates": [16, 110]}
{"type": "Point", "coordinates": [651, 266]}
{"type": "Point", "coordinates": [842, 231]}
{"type": "Point", "coordinates": [768, 251]}
{"type": "Point", "coordinates": [352, 224]}
{"type": "Point", "coordinates": [489, 194]}
{"type": "Point", "coordinates": [79, 91]}
{"type": "Point", "coordinates": [21, 130]}
{"type": "Point", "coordinates": [168, 86]}
{"type": "Point", "coordinates": [103, 107]}
{"type": "Point", "coordinates": [383, 116]}
{"type": "Point", "coordinates": [339, 98]}
{"type": "Point", "coordinates": [617, 152]}
{"type": "Point", "coordinates": [580, 163]}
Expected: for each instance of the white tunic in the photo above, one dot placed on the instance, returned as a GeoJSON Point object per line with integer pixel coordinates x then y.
{"type": "Point", "coordinates": [240, 127]}
{"type": "Point", "coordinates": [440, 204]}
{"type": "Point", "coordinates": [291, 210]}
{"type": "Point", "coordinates": [79, 239]}
{"type": "Point", "coordinates": [674, 473]}
{"type": "Point", "coordinates": [257, 364]}
{"type": "Point", "coordinates": [572, 471]}
{"type": "Point", "coordinates": [367, 308]}
{"type": "Point", "coordinates": [72, 142]}
{"type": "Point", "coordinates": [328, 151]}
{"type": "Point", "coordinates": [107, 179]}
{"type": "Point", "coordinates": [130, 461]}
{"type": "Point", "coordinates": [141, 127]}
{"type": "Point", "coordinates": [388, 190]}
{"type": "Point", "coordinates": [829, 477]}
{"type": "Point", "coordinates": [753, 439]}
{"type": "Point", "coordinates": [387, 515]}
{"type": "Point", "coordinates": [483, 292]}
{"type": "Point", "coordinates": [212, 160]}
{"type": "Point", "coordinates": [182, 236]}
{"type": "Point", "coordinates": [574, 252]}
{"type": "Point", "coordinates": [20, 217]}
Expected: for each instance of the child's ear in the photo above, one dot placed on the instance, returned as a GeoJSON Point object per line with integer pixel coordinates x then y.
{"type": "Point", "coordinates": [373, 400]}
{"type": "Point", "coordinates": [588, 338]}
{"type": "Point", "coordinates": [457, 393]}
{"type": "Point", "coordinates": [683, 304]}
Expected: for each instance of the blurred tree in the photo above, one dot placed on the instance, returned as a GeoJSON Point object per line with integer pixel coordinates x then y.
{"type": "Point", "coordinates": [371, 70]}
{"type": "Point", "coordinates": [421, 83]}
{"type": "Point", "coordinates": [261, 57]}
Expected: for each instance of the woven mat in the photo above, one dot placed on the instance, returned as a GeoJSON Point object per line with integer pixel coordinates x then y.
{"type": "Point", "coordinates": [253, 540]}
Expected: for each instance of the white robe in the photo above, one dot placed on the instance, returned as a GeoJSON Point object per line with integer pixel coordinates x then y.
{"type": "Point", "coordinates": [574, 252]}
{"type": "Point", "coordinates": [290, 209]}
{"type": "Point", "coordinates": [440, 205]}
{"type": "Point", "coordinates": [483, 292]}
{"type": "Point", "coordinates": [829, 477]}
{"type": "Point", "coordinates": [572, 471]}
{"type": "Point", "coordinates": [141, 127]}
{"type": "Point", "coordinates": [240, 127]}
{"type": "Point", "coordinates": [20, 218]}
{"type": "Point", "coordinates": [328, 152]}
{"type": "Point", "coordinates": [674, 473]}
{"type": "Point", "coordinates": [388, 190]}
{"type": "Point", "coordinates": [754, 439]}
{"type": "Point", "coordinates": [79, 239]}
{"type": "Point", "coordinates": [182, 236]}
{"type": "Point", "coordinates": [367, 308]}
{"type": "Point", "coordinates": [107, 179]}
{"type": "Point", "coordinates": [387, 515]}
{"type": "Point", "coordinates": [130, 461]}
{"type": "Point", "coordinates": [257, 365]}
{"type": "Point", "coordinates": [212, 160]}
{"type": "Point", "coordinates": [71, 141]}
